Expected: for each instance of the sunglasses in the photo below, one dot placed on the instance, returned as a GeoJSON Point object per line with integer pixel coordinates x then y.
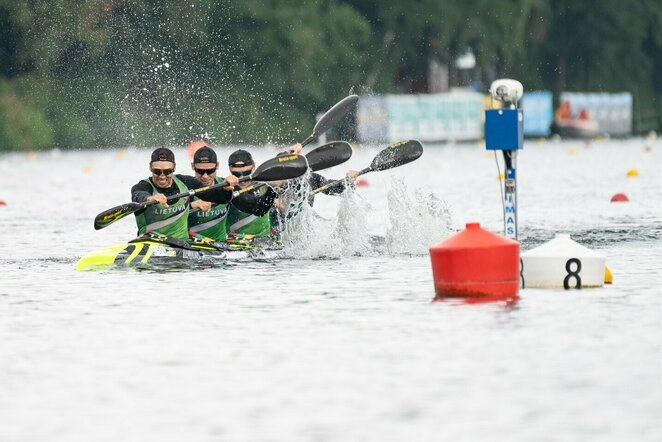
{"type": "Point", "coordinates": [205, 171]}
{"type": "Point", "coordinates": [159, 172]}
{"type": "Point", "coordinates": [241, 174]}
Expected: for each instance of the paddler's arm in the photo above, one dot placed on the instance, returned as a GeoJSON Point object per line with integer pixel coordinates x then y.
{"type": "Point", "coordinates": [256, 205]}
{"type": "Point", "coordinates": [142, 192]}
{"type": "Point", "coordinates": [219, 195]}
{"type": "Point", "coordinates": [317, 181]}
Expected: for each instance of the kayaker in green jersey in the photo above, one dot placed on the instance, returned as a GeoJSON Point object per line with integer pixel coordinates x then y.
{"type": "Point", "coordinates": [171, 219]}
{"type": "Point", "coordinates": [249, 212]}
{"type": "Point", "coordinates": [210, 219]}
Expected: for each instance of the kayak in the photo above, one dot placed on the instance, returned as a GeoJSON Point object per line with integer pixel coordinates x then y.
{"type": "Point", "coordinates": [161, 252]}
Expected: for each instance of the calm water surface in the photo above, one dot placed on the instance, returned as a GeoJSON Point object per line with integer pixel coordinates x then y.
{"type": "Point", "coordinates": [339, 342]}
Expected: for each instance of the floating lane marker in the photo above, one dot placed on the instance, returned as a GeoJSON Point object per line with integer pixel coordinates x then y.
{"type": "Point", "coordinates": [476, 263]}
{"type": "Point", "coordinates": [562, 263]}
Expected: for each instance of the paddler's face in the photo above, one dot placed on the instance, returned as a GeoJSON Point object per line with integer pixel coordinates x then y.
{"type": "Point", "coordinates": [205, 172]}
{"type": "Point", "coordinates": [242, 171]}
{"type": "Point", "coordinates": [162, 172]}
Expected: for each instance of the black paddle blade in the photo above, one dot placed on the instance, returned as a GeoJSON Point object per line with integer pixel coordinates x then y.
{"type": "Point", "coordinates": [284, 167]}
{"type": "Point", "coordinates": [107, 217]}
{"type": "Point", "coordinates": [334, 114]}
{"type": "Point", "coordinates": [397, 154]}
{"type": "Point", "coordinates": [329, 155]}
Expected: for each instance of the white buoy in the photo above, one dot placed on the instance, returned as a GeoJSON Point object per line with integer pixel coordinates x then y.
{"type": "Point", "coordinates": [562, 263]}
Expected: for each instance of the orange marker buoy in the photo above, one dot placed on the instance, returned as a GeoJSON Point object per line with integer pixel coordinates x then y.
{"type": "Point", "coordinates": [474, 263]}
{"type": "Point", "coordinates": [620, 198]}
{"type": "Point", "coordinates": [193, 146]}
{"type": "Point", "coordinates": [362, 182]}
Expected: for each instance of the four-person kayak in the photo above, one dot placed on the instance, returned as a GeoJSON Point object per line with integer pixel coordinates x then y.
{"type": "Point", "coordinates": [157, 251]}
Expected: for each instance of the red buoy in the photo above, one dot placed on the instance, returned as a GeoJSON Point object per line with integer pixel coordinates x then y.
{"type": "Point", "coordinates": [361, 182]}
{"type": "Point", "coordinates": [474, 263]}
{"type": "Point", "coordinates": [2, 203]}
{"type": "Point", "coordinates": [620, 198]}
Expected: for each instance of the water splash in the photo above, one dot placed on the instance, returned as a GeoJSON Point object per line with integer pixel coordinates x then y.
{"type": "Point", "coordinates": [415, 221]}
{"type": "Point", "coordinates": [308, 235]}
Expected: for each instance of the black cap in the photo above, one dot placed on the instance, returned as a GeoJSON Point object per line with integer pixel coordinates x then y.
{"type": "Point", "coordinates": [240, 156]}
{"type": "Point", "coordinates": [163, 154]}
{"type": "Point", "coordinates": [205, 155]}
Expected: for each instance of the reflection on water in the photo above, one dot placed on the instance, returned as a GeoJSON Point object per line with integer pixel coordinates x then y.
{"type": "Point", "coordinates": [342, 341]}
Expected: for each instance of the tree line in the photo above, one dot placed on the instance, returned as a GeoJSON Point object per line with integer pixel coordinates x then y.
{"type": "Point", "coordinates": [108, 73]}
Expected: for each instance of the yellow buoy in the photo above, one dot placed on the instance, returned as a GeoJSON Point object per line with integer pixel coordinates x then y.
{"type": "Point", "coordinates": [120, 153]}
{"type": "Point", "coordinates": [608, 277]}
{"type": "Point", "coordinates": [572, 151]}
{"type": "Point", "coordinates": [542, 140]}
{"type": "Point", "coordinates": [633, 173]}
{"type": "Point", "coordinates": [501, 176]}
{"type": "Point", "coordinates": [87, 169]}
{"type": "Point", "coordinates": [32, 156]}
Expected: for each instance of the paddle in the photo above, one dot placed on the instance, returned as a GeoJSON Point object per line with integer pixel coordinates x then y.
{"type": "Point", "coordinates": [275, 169]}
{"type": "Point", "coordinates": [331, 117]}
{"type": "Point", "coordinates": [393, 156]}
{"type": "Point", "coordinates": [329, 155]}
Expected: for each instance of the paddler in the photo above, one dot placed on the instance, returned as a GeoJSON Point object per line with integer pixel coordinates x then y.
{"type": "Point", "coordinates": [249, 212]}
{"type": "Point", "coordinates": [209, 220]}
{"type": "Point", "coordinates": [171, 219]}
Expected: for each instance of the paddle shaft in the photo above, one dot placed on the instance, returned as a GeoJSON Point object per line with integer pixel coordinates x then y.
{"type": "Point", "coordinates": [336, 182]}
{"type": "Point", "coordinates": [192, 192]}
{"type": "Point", "coordinates": [236, 193]}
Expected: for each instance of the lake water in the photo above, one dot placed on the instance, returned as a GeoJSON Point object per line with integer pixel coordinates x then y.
{"type": "Point", "coordinates": [340, 341]}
